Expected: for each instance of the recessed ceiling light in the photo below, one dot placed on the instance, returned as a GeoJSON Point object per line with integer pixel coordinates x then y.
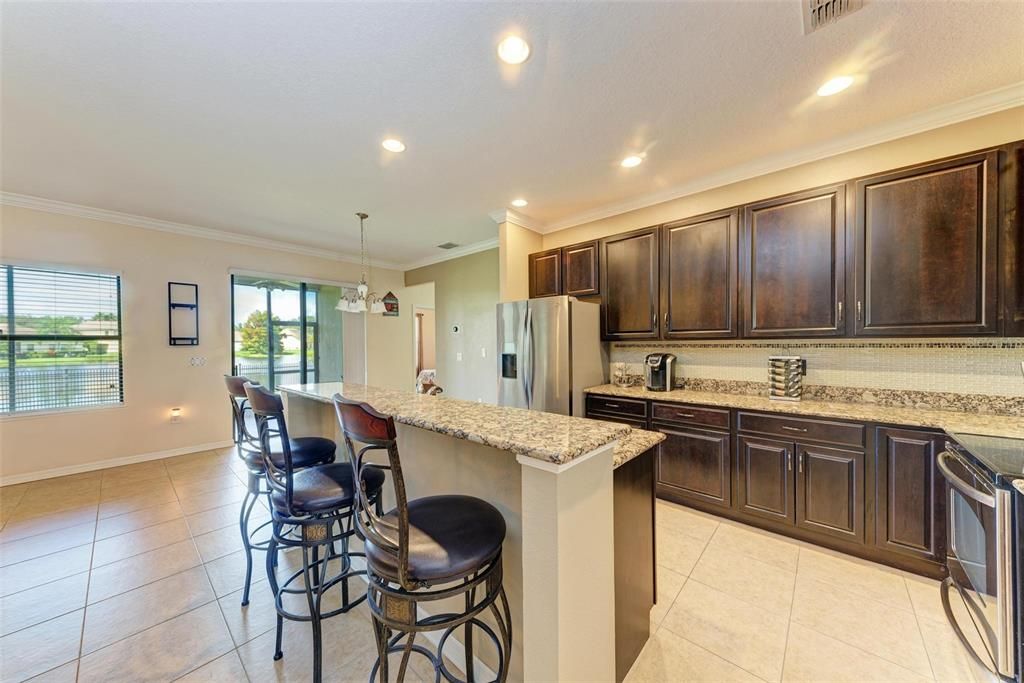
{"type": "Point", "coordinates": [513, 50]}
{"type": "Point", "coordinates": [519, 203]}
{"type": "Point", "coordinates": [632, 160]}
{"type": "Point", "coordinates": [835, 85]}
{"type": "Point", "coordinates": [393, 145]}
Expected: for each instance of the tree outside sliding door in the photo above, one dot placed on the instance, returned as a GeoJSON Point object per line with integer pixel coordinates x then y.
{"type": "Point", "coordinates": [285, 332]}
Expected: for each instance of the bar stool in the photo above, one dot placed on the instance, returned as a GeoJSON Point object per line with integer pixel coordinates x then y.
{"type": "Point", "coordinates": [306, 452]}
{"type": "Point", "coordinates": [423, 551]}
{"type": "Point", "coordinates": [310, 509]}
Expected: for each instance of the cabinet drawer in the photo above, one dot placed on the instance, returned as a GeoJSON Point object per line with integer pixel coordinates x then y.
{"type": "Point", "coordinates": [802, 429]}
{"type": "Point", "coordinates": [627, 407]}
{"type": "Point", "coordinates": [681, 412]}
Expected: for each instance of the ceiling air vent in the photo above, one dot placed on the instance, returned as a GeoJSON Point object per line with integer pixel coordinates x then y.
{"type": "Point", "coordinates": [820, 13]}
{"type": "Point", "coordinates": [447, 245]}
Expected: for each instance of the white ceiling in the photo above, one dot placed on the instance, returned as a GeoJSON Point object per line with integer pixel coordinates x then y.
{"type": "Point", "coordinates": [266, 119]}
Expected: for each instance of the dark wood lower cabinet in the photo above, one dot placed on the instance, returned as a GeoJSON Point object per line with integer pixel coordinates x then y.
{"type": "Point", "coordinates": [830, 491]}
{"type": "Point", "coordinates": [764, 478]}
{"type": "Point", "coordinates": [694, 464]}
{"type": "Point", "coordinates": [910, 508]}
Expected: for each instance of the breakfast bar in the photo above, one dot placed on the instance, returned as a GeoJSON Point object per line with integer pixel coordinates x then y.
{"type": "Point", "coordinates": [551, 477]}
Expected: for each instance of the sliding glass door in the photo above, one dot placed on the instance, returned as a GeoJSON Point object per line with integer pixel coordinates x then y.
{"type": "Point", "coordinates": [285, 332]}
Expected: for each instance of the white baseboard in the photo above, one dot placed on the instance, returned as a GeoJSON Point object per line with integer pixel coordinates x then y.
{"type": "Point", "coordinates": [112, 462]}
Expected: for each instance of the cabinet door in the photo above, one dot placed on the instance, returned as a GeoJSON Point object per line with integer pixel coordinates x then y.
{"type": "Point", "coordinates": [580, 269]}
{"type": "Point", "coordinates": [694, 464]}
{"type": "Point", "coordinates": [1011, 238]}
{"type": "Point", "coordinates": [699, 287]}
{"type": "Point", "coordinates": [629, 285]}
{"type": "Point", "coordinates": [793, 265]}
{"type": "Point", "coordinates": [910, 508]}
{"type": "Point", "coordinates": [764, 478]}
{"type": "Point", "coordinates": [830, 491]}
{"type": "Point", "coordinates": [545, 273]}
{"type": "Point", "coordinates": [926, 249]}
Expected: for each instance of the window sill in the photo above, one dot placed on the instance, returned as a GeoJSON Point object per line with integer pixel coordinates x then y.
{"type": "Point", "coordinates": [50, 412]}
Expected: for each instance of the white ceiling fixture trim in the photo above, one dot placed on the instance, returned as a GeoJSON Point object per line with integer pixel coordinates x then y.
{"type": "Point", "coordinates": [969, 108]}
{"type": "Point", "coordinates": [510, 216]}
{"type": "Point", "coordinates": [135, 221]}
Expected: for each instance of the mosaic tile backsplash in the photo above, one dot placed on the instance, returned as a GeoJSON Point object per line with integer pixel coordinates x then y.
{"type": "Point", "coordinates": [973, 374]}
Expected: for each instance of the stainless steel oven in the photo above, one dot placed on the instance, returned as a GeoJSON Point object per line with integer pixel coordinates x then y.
{"type": "Point", "coordinates": [980, 560]}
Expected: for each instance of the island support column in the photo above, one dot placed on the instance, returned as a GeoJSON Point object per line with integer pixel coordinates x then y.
{"type": "Point", "coordinates": [568, 569]}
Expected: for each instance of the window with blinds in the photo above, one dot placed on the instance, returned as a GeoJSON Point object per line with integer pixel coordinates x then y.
{"type": "Point", "coordinates": [60, 339]}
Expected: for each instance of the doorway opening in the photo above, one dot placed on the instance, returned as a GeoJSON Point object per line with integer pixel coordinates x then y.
{"type": "Point", "coordinates": [425, 345]}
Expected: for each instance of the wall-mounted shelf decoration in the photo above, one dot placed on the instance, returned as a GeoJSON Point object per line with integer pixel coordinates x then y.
{"type": "Point", "coordinates": [183, 313]}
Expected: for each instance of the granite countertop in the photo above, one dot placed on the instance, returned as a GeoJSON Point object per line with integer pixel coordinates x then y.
{"type": "Point", "coordinates": [948, 420]}
{"type": "Point", "coordinates": [546, 436]}
{"type": "Point", "coordinates": [633, 444]}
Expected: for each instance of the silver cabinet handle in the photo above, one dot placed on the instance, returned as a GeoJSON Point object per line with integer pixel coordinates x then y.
{"type": "Point", "coordinates": [611, 405]}
{"type": "Point", "coordinates": [800, 462]}
{"type": "Point", "coordinates": [839, 307]}
{"type": "Point", "coordinates": [686, 415]}
{"type": "Point", "coordinates": [666, 320]}
{"type": "Point", "coordinates": [793, 429]}
{"type": "Point", "coordinates": [789, 460]}
{"type": "Point", "coordinates": [860, 309]}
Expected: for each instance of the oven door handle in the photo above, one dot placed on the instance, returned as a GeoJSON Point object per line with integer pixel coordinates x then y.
{"type": "Point", "coordinates": [960, 485]}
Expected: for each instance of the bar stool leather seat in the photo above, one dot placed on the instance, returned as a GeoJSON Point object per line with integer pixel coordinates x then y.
{"type": "Point", "coordinates": [324, 488]}
{"type": "Point", "coordinates": [450, 537]}
{"type": "Point", "coordinates": [306, 452]}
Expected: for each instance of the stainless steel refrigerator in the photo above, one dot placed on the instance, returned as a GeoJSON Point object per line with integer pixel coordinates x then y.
{"type": "Point", "coordinates": [549, 351]}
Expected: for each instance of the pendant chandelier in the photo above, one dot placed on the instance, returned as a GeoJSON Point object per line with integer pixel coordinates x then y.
{"type": "Point", "coordinates": [361, 299]}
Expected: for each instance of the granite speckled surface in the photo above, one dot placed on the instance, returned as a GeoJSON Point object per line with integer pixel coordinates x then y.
{"type": "Point", "coordinates": [545, 436]}
{"type": "Point", "coordinates": [948, 420]}
{"type": "Point", "coordinates": [1019, 485]}
{"type": "Point", "coordinates": [633, 444]}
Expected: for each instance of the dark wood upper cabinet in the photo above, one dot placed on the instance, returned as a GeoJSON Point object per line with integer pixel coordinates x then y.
{"type": "Point", "coordinates": [630, 285]}
{"type": "Point", "coordinates": [910, 517]}
{"type": "Point", "coordinates": [830, 491]}
{"type": "Point", "coordinates": [698, 277]}
{"type": "Point", "coordinates": [545, 273]}
{"type": "Point", "coordinates": [793, 265]}
{"type": "Point", "coordinates": [580, 268]}
{"type": "Point", "coordinates": [764, 478]}
{"type": "Point", "coordinates": [925, 254]}
{"type": "Point", "coordinates": [693, 464]}
{"type": "Point", "coordinates": [1011, 238]}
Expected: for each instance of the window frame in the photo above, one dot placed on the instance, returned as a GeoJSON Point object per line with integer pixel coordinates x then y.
{"type": "Point", "coordinates": [9, 360]}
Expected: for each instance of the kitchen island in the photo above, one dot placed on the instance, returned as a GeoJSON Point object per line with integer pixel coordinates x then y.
{"type": "Point", "coordinates": [551, 476]}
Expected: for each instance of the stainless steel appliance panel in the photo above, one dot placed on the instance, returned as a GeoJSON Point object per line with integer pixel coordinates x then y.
{"type": "Point", "coordinates": [548, 376]}
{"type": "Point", "coordinates": [513, 354]}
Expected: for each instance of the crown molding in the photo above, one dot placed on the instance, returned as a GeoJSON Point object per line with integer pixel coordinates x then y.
{"type": "Point", "coordinates": [135, 221]}
{"type": "Point", "coordinates": [944, 115]}
{"type": "Point", "coordinates": [510, 216]}
{"type": "Point", "coordinates": [453, 254]}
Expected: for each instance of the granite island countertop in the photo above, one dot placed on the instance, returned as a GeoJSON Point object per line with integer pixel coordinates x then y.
{"type": "Point", "coordinates": [633, 444]}
{"type": "Point", "coordinates": [947, 420]}
{"type": "Point", "coordinates": [551, 437]}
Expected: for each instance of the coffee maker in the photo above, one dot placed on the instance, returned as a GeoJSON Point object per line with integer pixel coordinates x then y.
{"type": "Point", "coordinates": [658, 371]}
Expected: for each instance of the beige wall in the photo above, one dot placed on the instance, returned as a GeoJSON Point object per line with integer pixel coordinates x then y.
{"type": "Point", "coordinates": [986, 131]}
{"type": "Point", "coordinates": [429, 338]}
{"type": "Point", "coordinates": [156, 376]}
{"type": "Point", "coordinates": [466, 294]}
{"type": "Point", "coordinates": [390, 350]}
{"type": "Point", "coordinates": [515, 243]}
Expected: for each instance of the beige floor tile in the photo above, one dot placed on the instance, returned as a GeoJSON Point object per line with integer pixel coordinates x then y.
{"type": "Point", "coordinates": [669, 584]}
{"type": "Point", "coordinates": [950, 661]}
{"type": "Point", "coordinates": [227, 574]}
{"type": "Point", "coordinates": [667, 657]}
{"type": "Point", "coordinates": [114, 490]}
{"type": "Point", "coordinates": [686, 520]}
{"type": "Point", "coordinates": [75, 483]}
{"type": "Point", "coordinates": [46, 544]}
{"type": "Point", "coordinates": [31, 573]}
{"type": "Point", "coordinates": [137, 542]}
{"type": "Point", "coordinates": [208, 501]}
{"type": "Point", "coordinates": [856, 576]}
{"type": "Point", "coordinates": [66, 673]}
{"type": "Point", "coordinates": [222, 542]}
{"type": "Point", "coordinates": [33, 606]}
{"type": "Point", "coordinates": [747, 636]}
{"type": "Point", "coordinates": [140, 519]}
{"type": "Point", "coordinates": [814, 657]}
{"type": "Point", "coordinates": [678, 551]}
{"type": "Point", "coordinates": [256, 618]}
{"type": "Point", "coordinates": [16, 529]}
{"type": "Point", "coordinates": [757, 544]}
{"type": "Point", "coordinates": [39, 648]}
{"type": "Point", "coordinates": [225, 669]}
{"type": "Point", "coordinates": [128, 613]}
{"type": "Point", "coordinates": [872, 626]}
{"type": "Point", "coordinates": [227, 515]}
{"type": "Point", "coordinates": [162, 653]}
{"type": "Point", "coordinates": [925, 598]}
{"type": "Point", "coordinates": [124, 575]}
{"type": "Point", "coordinates": [741, 576]}
{"type": "Point", "coordinates": [211, 485]}
{"type": "Point", "coordinates": [139, 501]}
{"type": "Point", "coordinates": [142, 471]}
{"type": "Point", "coordinates": [43, 504]}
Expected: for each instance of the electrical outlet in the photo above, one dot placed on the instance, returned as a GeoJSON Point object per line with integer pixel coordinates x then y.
{"type": "Point", "coordinates": [483, 352]}
{"type": "Point", "coordinates": [197, 361]}
{"type": "Point", "coordinates": [458, 355]}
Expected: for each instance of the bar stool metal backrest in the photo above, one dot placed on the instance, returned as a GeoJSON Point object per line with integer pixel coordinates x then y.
{"type": "Point", "coordinates": [269, 410]}
{"type": "Point", "coordinates": [374, 431]}
{"type": "Point", "coordinates": [240, 404]}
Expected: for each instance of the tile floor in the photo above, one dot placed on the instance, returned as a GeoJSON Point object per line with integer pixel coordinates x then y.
{"type": "Point", "coordinates": [135, 573]}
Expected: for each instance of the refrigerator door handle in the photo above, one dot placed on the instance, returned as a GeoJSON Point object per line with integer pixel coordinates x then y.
{"type": "Point", "coordinates": [528, 357]}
